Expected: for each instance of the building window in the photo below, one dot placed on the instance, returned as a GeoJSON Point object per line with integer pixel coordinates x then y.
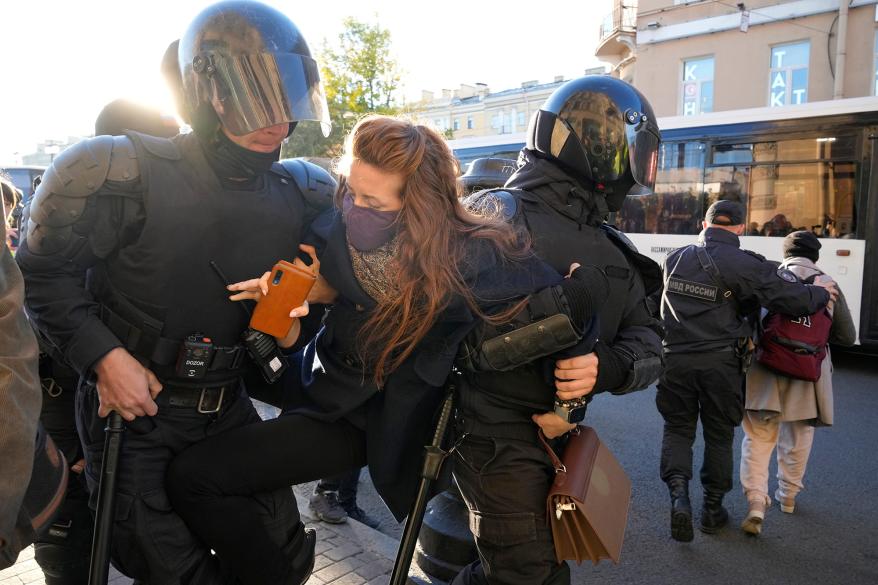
{"type": "Point", "coordinates": [697, 86]}
{"type": "Point", "coordinates": [788, 79]}
{"type": "Point", "coordinates": [875, 66]}
{"type": "Point", "coordinates": [469, 122]}
{"type": "Point", "coordinates": [521, 119]}
{"type": "Point", "coordinates": [456, 125]}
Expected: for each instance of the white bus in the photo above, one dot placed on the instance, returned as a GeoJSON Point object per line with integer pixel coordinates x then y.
{"type": "Point", "coordinates": [812, 166]}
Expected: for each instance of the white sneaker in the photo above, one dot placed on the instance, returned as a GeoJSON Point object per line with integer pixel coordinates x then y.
{"type": "Point", "coordinates": [787, 504]}
{"type": "Point", "coordinates": [752, 524]}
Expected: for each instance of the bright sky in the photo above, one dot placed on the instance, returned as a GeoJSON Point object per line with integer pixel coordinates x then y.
{"type": "Point", "coordinates": [63, 61]}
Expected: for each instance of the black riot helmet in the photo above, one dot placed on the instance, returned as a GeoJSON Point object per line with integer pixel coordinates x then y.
{"type": "Point", "coordinates": [602, 129]}
{"type": "Point", "coordinates": [248, 64]}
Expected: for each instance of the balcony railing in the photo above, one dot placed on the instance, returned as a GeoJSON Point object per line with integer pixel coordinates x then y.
{"type": "Point", "coordinates": [622, 19]}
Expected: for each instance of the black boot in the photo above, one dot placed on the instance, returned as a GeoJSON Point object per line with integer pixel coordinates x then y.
{"type": "Point", "coordinates": [713, 515]}
{"type": "Point", "coordinates": [303, 563]}
{"type": "Point", "coordinates": [681, 509]}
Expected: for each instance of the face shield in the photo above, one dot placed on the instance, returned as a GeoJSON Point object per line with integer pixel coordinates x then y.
{"type": "Point", "coordinates": [643, 145]}
{"type": "Point", "coordinates": [258, 90]}
{"type": "Point", "coordinates": [596, 124]}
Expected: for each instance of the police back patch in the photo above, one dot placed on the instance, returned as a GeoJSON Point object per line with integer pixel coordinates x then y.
{"type": "Point", "coordinates": [787, 275]}
{"type": "Point", "coordinates": [697, 290]}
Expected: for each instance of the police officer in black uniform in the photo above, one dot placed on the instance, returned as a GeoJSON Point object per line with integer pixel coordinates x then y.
{"type": "Point", "coordinates": [63, 550]}
{"type": "Point", "coordinates": [592, 140]}
{"type": "Point", "coordinates": [128, 243]}
{"type": "Point", "coordinates": [712, 295]}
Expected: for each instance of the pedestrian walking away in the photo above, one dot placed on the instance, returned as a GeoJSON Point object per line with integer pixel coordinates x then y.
{"type": "Point", "coordinates": [713, 291]}
{"type": "Point", "coordinates": [125, 238]}
{"type": "Point", "coordinates": [782, 412]}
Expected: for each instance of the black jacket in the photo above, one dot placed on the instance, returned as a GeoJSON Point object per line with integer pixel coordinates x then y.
{"type": "Point", "coordinates": [703, 313]}
{"type": "Point", "coordinates": [566, 223]}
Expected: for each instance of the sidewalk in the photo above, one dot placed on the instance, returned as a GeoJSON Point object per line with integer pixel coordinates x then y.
{"type": "Point", "coordinates": [347, 554]}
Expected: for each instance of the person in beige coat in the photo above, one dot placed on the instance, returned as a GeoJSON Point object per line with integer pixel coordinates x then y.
{"type": "Point", "coordinates": [781, 411]}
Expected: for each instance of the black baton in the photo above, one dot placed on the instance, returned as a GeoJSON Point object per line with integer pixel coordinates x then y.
{"type": "Point", "coordinates": [99, 567]}
{"type": "Point", "coordinates": [433, 458]}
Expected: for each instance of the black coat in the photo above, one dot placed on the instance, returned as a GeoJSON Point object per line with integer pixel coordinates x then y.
{"type": "Point", "coordinates": [398, 417]}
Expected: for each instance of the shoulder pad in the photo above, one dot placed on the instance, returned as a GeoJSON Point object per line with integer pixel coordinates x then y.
{"type": "Point", "coordinates": [316, 184]}
{"type": "Point", "coordinates": [759, 257]}
{"type": "Point", "coordinates": [159, 147]}
{"type": "Point", "coordinates": [618, 236]}
{"type": "Point", "coordinates": [75, 174]}
{"type": "Point", "coordinates": [649, 270]}
{"type": "Point", "coordinates": [501, 203]}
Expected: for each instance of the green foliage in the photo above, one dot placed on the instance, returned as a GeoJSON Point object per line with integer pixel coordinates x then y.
{"type": "Point", "coordinates": [360, 77]}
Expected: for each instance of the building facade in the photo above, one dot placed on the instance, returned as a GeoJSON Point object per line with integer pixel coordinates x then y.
{"type": "Point", "coordinates": [474, 111]}
{"type": "Point", "coordinates": [724, 55]}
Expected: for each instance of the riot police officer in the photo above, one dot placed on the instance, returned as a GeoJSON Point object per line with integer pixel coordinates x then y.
{"type": "Point", "coordinates": [712, 295]}
{"type": "Point", "coordinates": [128, 244]}
{"type": "Point", "coordinates": [591, 141]}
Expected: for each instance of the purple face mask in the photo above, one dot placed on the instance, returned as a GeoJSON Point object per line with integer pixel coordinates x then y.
{"type": "Point", "coordinates": [367, 228]}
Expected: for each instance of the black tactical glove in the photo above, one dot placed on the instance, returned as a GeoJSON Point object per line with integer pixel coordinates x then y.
{"type": "Point", "coordinates": [585, 291]}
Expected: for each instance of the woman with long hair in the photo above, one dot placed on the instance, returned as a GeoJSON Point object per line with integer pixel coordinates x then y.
{"type": "Point", "coordinates": [408, 272]}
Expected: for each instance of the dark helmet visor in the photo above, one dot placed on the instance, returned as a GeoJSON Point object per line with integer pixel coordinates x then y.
{"type": "Point", "coordinates": [643, 146]}
{"type": "Point", "coordinates": [258, 90]}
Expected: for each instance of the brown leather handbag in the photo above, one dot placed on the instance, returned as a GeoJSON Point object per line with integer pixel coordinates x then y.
{"type": "Point", "coordinates": [588, 501]}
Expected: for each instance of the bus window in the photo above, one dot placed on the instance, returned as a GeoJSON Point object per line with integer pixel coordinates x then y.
{"type": "Point", "coordinates": [810, 196]}
{"type": "Point", "coordinates": [726, 154]}
{"type": "Point", "coordinates": [728, 182]}
{"type": "Point", "coordinates": [820, 148]}
{"type": "Point", "coordinates": [675, 206]}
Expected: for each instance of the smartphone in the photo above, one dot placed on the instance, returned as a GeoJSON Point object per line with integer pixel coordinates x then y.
{"type": "Point", "coordinates": [288, 287]}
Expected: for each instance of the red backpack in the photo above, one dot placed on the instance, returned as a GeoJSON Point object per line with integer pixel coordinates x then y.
{"type": "Point", "coordinates": [795, 346]}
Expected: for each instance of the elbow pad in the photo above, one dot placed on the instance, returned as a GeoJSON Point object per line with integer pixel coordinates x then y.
{"type": "Point", "coordinates": [643, 372]}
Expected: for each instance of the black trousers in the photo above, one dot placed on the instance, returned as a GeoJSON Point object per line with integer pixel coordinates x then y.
{"type": "Point", "coordinates": [151, 542]}
{"type": "Point", "coordinates": [213, 483]}
{"type": "Point", "coordinates": [708, 385]}
{"type": "Point", "coordinates": [63, 552]}
{"type": "Point", "coordinates": [505, 483]}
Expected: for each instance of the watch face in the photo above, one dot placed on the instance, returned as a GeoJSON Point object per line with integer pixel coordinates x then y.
{"type": "Point", "coordinates": [577, 414]}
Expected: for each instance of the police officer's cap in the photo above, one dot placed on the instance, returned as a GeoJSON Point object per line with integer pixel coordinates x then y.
{"type": "Point", "coordinates": [725, 212]}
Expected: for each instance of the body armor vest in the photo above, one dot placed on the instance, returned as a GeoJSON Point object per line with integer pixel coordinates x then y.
{"type": "Point", "coordinates": [190, 221]}
{"type": "Point", "coordinates": [560, 241]}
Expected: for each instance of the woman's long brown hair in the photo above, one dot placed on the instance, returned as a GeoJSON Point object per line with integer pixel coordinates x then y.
{"type": "Point", "coordinates": [432, 234]}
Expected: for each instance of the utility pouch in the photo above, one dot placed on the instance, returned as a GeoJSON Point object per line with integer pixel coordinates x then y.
{"type": "Point", "coordinates": [521, 346]}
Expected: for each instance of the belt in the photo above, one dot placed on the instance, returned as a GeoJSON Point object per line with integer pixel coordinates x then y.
{"type": "Point", "coordinates": [207, 400]}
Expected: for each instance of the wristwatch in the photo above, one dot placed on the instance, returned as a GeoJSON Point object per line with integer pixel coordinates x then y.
{"type": "Point", "coordinates": [572, 411]}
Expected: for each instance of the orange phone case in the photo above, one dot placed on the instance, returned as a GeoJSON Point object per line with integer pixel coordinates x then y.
{"type": "Point", "coordinates": [288, 287]}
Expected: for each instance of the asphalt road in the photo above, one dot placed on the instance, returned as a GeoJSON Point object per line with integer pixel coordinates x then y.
{"type": "Point", "coordinates": [831, 539]}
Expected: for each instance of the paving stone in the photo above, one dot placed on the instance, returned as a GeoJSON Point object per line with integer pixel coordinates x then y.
{"type": "Point", "coordinates": [349, 579]}
{"type": "Point", "coordinates": [339, 569]}
{"type": "Point", "coordinates": [344, 551]}
{"type": "Point", "coordinates": [375, 568]}
{"type": "Point", "coordinates": [321, 561]}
